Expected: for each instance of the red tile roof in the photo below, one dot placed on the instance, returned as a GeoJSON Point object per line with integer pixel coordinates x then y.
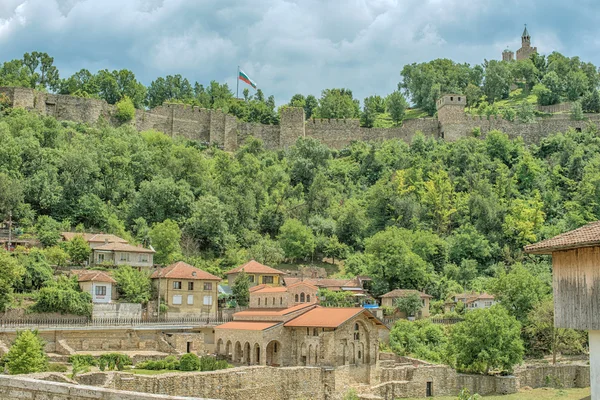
{"type": "Point", "coordinates": [586, 236]}
{"type": "Point", "coordinates": [304, 283]}
{"type": "Point", "coordinates": [406, 292]}
{"type": "Point", "coordinates": [258, 287]}
{"type": "Point", "coordinates": [247, 326]}
{"type": "Point", "coordinates": [94, 276]}
{"type": "Point", "coordinates": [254, 267]}
{"type": "Point", "coordinates": [181, 270]}
{"type": "Point", "coordinates": [270, 312]}
{"type": "Point", "coordinates": [123, 247]}
{"type": "Point", "coordinates": [471, 297]}
{"type": "Point", "coordinates": [94, 237]}
{"type": "Point", "coordinates": [321, 317]}
{"type": "Point", "coordinates": [271, 289]}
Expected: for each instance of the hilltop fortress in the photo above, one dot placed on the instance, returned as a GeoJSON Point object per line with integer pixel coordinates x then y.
{"type": "Point", "coordinates": [217, 127]}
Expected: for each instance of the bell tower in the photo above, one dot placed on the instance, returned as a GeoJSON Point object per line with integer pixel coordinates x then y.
{"type": "Point", "coordinates": [526, 50]}
{"type": "Point", "coordinates": [525, 38]}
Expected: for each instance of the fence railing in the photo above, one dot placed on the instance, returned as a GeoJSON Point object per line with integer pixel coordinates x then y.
{"type": "Point", "coordinates": [389, 322]}
{"type": "Point", "coordinates": [100, 322]}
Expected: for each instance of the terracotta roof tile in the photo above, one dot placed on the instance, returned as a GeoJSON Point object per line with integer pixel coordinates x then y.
{"type": "Point", "coordinates": [271, 312]}
{"type": "Point", "coordinates": [586, 236]}
{"type": "Point", "coordinates": [94, 237]}
{"type": "Point", "coordinates": [406, 292]}
{"type": "Point", "coordinates": [254, 267]}
{"type": "Point", "coordinates": [258, 287]}
{"type": "Point", "coordinates": [321, 317]}
{"type": "Point", "coordinates": [94, 276]}
{"type": "Point", "coordinates": [247, 326]}
{"type": "Point", "coordinates": [181, 270]}
{"type": "Point", "coordinates": [304, 283]}
{"type": "Point", "coordinates": [270, 289]}
{"type": "Point", "coordinates": [124, 247]}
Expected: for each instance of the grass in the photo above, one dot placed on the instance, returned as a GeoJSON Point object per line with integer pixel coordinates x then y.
{"type": "Point", "coordinates": [151, 371]}
{"type": "Point", "coordinates": [537, 394]}
{"type": "Point", "coordinates": [385, 121]}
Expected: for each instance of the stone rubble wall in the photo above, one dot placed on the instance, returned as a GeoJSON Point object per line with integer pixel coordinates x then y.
{"type": "Point", "coordinates": [117, 310]}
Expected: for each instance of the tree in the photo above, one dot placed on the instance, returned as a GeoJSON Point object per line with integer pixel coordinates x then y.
{"type": "Point", "coordinates": [331, 298]}
{"type": "Point", "coordinates": [26, 355]}
{"type": "Point", "coordinates": [576, 84]}
{"type": "Point", "coordinates": [134, 286]}
{"type": "Point", "coordinates": [266, 251]}
{"type": "Point", "coordinates": [166, 237]}
{"type": "Point", "coordinates": [338, 103]}
{"type": "Point", "coordinates": [79, 250]}
{"type": "Point", "coordinates": [546, 338]}
{"type": "Point", "coordinates": [396, 106]}
{"type": "Point", "coordinates": [12, 271]}
{"type": "Point", "coordinates": [208, 225]}
{"type": "Point", "coordinates": [63, 296]}
{"type": "Point", "coordinates": [42, 72]}
{"type": "Point", "coordinates": [372, 106]}
{"type": "Point", "coordinates": [48, 230]}
{"type": "Point", "coordinates": [56, 256]}
{"type": "Point", "coordinates": [11, 194]}
{"type": "Point", "coordinates": [577, 111]}
{"type": "Point", "coordinates": [410, 304]}
{"type": "Point", "coordinates": [486, 339]}
{"type": "Point", "coordinates": [498, 77]}
{"type": "Point", "coordinates": [422, 339]}
{"type": "Point", "coordinates": [37, 271]}
{"type": "Point", "coordinates": [241, 289]}
{"type": "Point", "coordinates": [296, 239]}
{"type": "Point", "coordinates": [161, 199]}
{"type": "Point", "coordinates": [335, 249]}
{"type": "Point", "coordinates": [526, 112]}
{"type": "Point", "coordinates": [591, 101]}
{"type": "Point", "coordinates": [125, 109]}
{"type": "Point", "coordinates": [519, 290]}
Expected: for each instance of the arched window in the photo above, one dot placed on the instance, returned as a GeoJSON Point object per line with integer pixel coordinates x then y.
{"type": "Point", "coordinates": [308, 298]}
{"type": "Point", "coordinates": [259, 301]}
{"type": "Point", "coordinates": [359, 354]}
{"type": "Point", "coordinates": [280, 300]}
{"type": "Point", "coordinates": [355, 327]}
{"type": "Point", "coordinates": [302, 297]}
{"type": "Point", "coordinates": [273, 300]}
{"type": "Point", "coordinates": [451, 98]}
{"type": "Point", "coordinates": [296, 297]}
{"type": "Point", "coordinates": [315, 332]}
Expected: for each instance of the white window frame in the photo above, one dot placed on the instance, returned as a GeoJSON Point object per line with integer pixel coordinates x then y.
{"type": "Point", "coordinates": [208, 300]}
{"type": "Point", "coordinates": [190, 299]}
{"type": "Point", "coordinates": [103, 287]}
{"type": "Point", "coordinates": [177, 299]}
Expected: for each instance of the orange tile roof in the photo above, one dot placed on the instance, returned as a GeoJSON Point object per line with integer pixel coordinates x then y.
{"type": "Point", "coordinates": [254, 267]}
{"type": "Point", "coordinates": [270, 312]}
{"type": "Point", "coordinates": [586, 236]}
{"type": "Point", "coordinates": [258, 287]}
{"type": "Point", "coordinates": [406, 292]}
{"type": "Point", "coordinates": [304, 283]}
{"type": "Point", "coordinates": [94, 276]}
{"type": "Point", "coordinates": [247, 326]}
{"type": "Point", "coordinates": [94, 237]}
{"type": "Point", "coordinates": [181, 270]}
{"type": "Point", "coordinates": [123, 247]}
{"type": "Point", "coordinates": [322, 317]}
{"type": "Point", "coordinates": [271, 289]}
{"type": "Point", "coordinates": [471, 297]}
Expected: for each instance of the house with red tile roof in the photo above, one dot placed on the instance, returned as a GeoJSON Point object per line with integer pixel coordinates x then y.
{"type": "Point", "coordinates": [472, 301]}
{"type": "Point", "coordinates": [99, 284]}
{"type": "Point", "coordinates": [112, 250]}
{"type": "Point", "coordinates": [389, 300]}
{"type": "Point", "coordinates": [265, 296]}
{"type": "Point", "coordinates": [257, 273]}
{"type": "Point", "coordinates": [187, 290]}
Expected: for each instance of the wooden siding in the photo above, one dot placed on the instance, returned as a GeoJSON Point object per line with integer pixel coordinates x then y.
{"type": "Point", "coordinates": [576, 281]}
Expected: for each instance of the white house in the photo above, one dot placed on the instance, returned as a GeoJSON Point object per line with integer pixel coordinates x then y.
{"type": "Point", "coordinates": [99, 284]}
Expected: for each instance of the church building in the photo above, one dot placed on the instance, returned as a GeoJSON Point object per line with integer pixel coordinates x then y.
{"type": "Point", "coordinates": [524, 52]}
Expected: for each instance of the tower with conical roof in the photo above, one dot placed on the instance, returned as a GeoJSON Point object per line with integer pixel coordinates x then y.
{"type": "Point", "coordinates": [526, 50]}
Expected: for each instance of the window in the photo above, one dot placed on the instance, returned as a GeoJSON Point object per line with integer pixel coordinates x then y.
{"type": "Point", "coordinates": [451, 98]}
{"type": "Point", "coordinates": [302, 297]}
{"type": "Point", "coordinates": [308, 298]}
{"type": "Point", "coordinates": [259, 301]}
{"type": "Point", "coordinates": [143, 257]}
{"type": "Point", "coordinates": [359, 355]}
{"type": "Point", "coordinates": [459, 99]}
{"type": "Point", "coordinates": [177, 285]}
{"type": "Point", "coordinates": [315, 332]}
{"type": "Point", "coordinates": [273, 300]}
{"type": "Point", "coordinates": [207, 285]}
{"type": "Point", "coordinates": [307, 331]}
{"type": "Point", "coordinates": [124, 256]}
{"type": "Point", "coordinates": [267, 279]}
{"type": "Point", "coordinates": [281, 301]}
{"type": "Point", "coordinates": [296, 297]}
{"type": "Point", "coordinates": [100, 290]}
{"type": "Point", "coordinates": [356, 336]}
{"type": "Point", "coordinates": [100, 258]}
{"type": "Point", "coordinates": [177, 299]}
{"type": "Point", "coordinates": [190, 299]}
{"type": "Point", "coordinates": [251, 278]}
{"type": "Point", "coordinates": [208, 300]}
{"type": "Point", "coordinates": [275, 347]}
{"type": "Point", "coordinates": [355, 327]}
{"type": "Point", "coordinates": [190, 285]}
{"type": "Point", "coordinates": [488, 303]}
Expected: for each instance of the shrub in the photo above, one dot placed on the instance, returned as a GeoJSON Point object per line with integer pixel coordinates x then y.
{"type": "Point", "coordinates": [64, 300]}
{"type": "Point", "coordinates": [26, 355]}
{"type": "Point", "coordinates": [83, 359]}
{"type": "Point", "coordinates": [113, 361]}
{"type": "Point", "coordinates": [577, 112]}
{"type": "Point", "coordinates": [125, 109]}
{"type": "Point", "coordinates": [57, 367]}
{"type": "Point", "coordinates": [189, 362]}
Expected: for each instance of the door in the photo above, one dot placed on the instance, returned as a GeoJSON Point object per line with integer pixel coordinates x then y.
{"type": "Point", "coordinates": [429, 391]}
{"type": "Point", "coordinates": [189, 347]}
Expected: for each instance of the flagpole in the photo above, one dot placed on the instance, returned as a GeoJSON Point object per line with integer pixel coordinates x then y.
{"type": "Point", "coordinates": [237, 79]}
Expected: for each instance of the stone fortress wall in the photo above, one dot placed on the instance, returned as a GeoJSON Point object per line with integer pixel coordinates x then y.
{"type": "Point", "coordinates": [216, 127]}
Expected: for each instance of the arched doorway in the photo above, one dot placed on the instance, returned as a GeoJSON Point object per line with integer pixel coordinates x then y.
{"type": "Point", "coordinates": [246, 357]}
{"type": "Point", "coordinates": [256, 354]}
{"type": "Point", "coordinates": [219, 346]}
{"type": "Point", "coordinates": [309, 357]}
{"type": "Point", "coordinates": [316, 355]}
{"type": "Point", "coordinates": [352, 354]}
{"type": "Point", "coordinates": [237, 353]}
{"type": "Point", "coordinates": [303, 354]}
{"type": "Point", "coordinates": [274, 353]}
{"type": "Point", "coordinates": [228, 350]}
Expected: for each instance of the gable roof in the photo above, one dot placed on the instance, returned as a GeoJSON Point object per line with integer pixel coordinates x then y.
{"type": "Point", "coordinates": [94, 276]}
{"type": "Point", "coordinates": [406, 292]}
{"type": "Point", "coordinates": [254, 267]}
{"type": "Point", "coordinates": [321, 317]}
{"type": "Point", "coordinates": [303, 283]}
{"type": "Point", "coordinates": [94, 237]}
{"type": "Point", "coordinates": [270, 312]}
{"type": "Point", "coordinates": [124, 247]}
{"type": "Point", "coordinates": [586, 236]}
{"type": "Point", "coordinates": [471, 297]}
{"type": "Point", "coordinates": [247, 326]}
{"type": "Point", "coordinates": [257, 287]}
{"type": "Point", "coordinates": [181, 270]}
{"type": "Point", "coordinates": [271, 289]}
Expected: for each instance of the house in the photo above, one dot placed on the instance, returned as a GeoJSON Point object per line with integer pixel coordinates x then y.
{"type": "Point", "coordinates": [576, 285]}
{"type": "Point", "coordinates": [264, 296]}
{"type": "Point", "coordinates": [99, 284]}
{"type": "Point", "coordinates": [187, 289]}
{"type": "Point", "coordinates": [358, 286]}
{"type": "Point", "coordinates": [471, 301]}
{"type": "Point", "coordinates": [302, 334]}
{"type": "Point", "coordinates": [389, 300]}
{"type": "Point", "coordinates": [112, 250]}
{"type": "Point", "coordinates": [257, 273]}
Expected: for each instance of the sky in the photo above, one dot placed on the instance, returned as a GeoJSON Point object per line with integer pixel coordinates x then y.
{"type": "Point", "coordinates": [289, 46]}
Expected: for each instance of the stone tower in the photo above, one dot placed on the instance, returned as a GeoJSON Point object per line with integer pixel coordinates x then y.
{"type": "Point", "coordinates": [508, 55]}
{"type": "Point", "coordinates": [451, 116]}
{"type": "Point", "coordinates": [526, 50]}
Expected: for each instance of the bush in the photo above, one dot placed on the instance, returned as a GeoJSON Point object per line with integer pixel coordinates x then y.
{"type": "Point", "coordinates": [83, 360]}
{"type": "Point", "coordinates": [189, 362]}
{"type": "Point", "coordinates": [577, 112]}
{"type": "Point", "coordinates": [421, 338]}
{"type": "Point", "coordinates": [125, 109]}
{"type": "Point", "coordinates": [63, 300]}
{"type": "Point", "coordinates": [113, 361]}
{"type": "Point", "coordinates": [57, 367]}
{"type": "Point", "coordinates": [26, 355]}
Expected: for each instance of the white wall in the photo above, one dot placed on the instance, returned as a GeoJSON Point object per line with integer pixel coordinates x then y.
{"type": "Point", "coordinates": [595, 364]}
{"type": "Point", "coordinates": [102, 299]}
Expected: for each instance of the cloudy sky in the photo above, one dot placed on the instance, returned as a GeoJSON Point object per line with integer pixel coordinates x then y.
{"type": "Point", "coordinates": [288, 46]}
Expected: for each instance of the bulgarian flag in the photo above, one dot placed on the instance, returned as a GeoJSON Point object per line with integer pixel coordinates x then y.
{"type": "Point", "coordinates": [244, 77]}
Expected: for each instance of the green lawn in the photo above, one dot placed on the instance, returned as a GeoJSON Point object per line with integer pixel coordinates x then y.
{"type": "Point", "coordinates": [385, 121]}
{"type": "Point", "coordinates": [537, 394]}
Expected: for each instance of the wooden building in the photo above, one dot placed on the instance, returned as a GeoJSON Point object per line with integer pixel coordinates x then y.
{"type": "Point", "coordinates": [576, 285]}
